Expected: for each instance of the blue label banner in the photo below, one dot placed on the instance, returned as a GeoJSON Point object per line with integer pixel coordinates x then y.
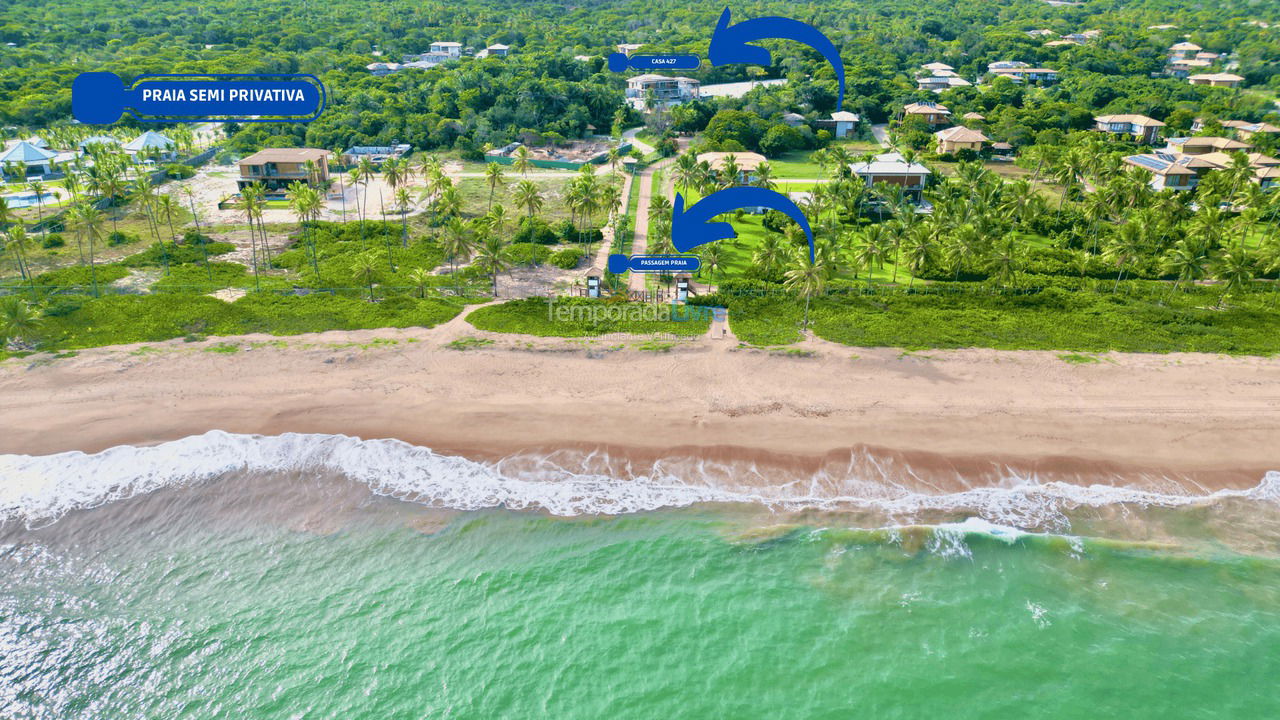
{"type": "Point", "coordinates": [620, 62]}
{"type": "Point", "coordinates": [99, 98]}
{"type": "Point", "coordinates": [619, 264]}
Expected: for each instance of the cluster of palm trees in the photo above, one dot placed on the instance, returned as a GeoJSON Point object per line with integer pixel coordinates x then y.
{"type": "Point", "coordinates": [980, 222]}
{"type": "Point", "coordinates": [103, 185]}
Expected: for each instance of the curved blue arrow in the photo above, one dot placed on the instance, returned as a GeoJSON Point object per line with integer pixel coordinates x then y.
{"type": "Point", "coordinates": [729, 43]}
{"type": "Point", "coordinates": [691, 228]}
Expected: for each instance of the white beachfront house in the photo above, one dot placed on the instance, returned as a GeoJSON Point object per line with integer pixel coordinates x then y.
{"type": "Point", "coordinates": [660, 91]}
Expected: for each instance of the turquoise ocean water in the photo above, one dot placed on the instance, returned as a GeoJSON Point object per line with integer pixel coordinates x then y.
{"type": "Point", "coordinates": [180, 582]}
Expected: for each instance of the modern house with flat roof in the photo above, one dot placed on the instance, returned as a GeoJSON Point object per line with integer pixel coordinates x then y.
{"type": "Point", "coordinates": [1042, 75]}
{"type": "Point", "coordinates": [938, 83]}
{"type": "Point", "coordinates": [376, 153]}
{"type": "Point", "coordinates": [277, 168]}
{"type": "Point", "coordinates": [661, 90]}
{"type": "Point", "coordinates": [893, 169]}
{"type": "Point", "coordinates": [1140, 128]}
{"type": "Point", "coordinates": [629, 48]}
{"type": "Point", "coordinates": [1227, 80]}
{"type": "Point", "coordinates": [451, 49]}
{"type": "Point", "coordinates": [954, 139]}
{"type": "Point", "coordinates": [931, 112]}
{"type": "Point", "coordinates": [495, 50]}
{"type": "Point", "coordinates": [841, 124]}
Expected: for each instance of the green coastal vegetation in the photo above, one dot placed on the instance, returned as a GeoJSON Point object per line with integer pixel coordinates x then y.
{"type": "Point", "coordinates": [1057, 243]}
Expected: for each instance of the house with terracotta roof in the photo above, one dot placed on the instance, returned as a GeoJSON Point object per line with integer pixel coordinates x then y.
{"type": "Point", "coordinates": [974, 117]}
{"type": "Point", "coordinates": [954, 139]}
{"type": "Point", "coordinates": [1227, 80]}
{"type": "Point", "coordinates": [1203, 144]}
{"type": "Point", "coordinates": [277, 168]}
{"type": "Point", "coordinates": [1140, 128]}
{"type": "Point", "coordinates": [1246, 130]}
{"type": "Point", "coordinates": [1184, 68]}
{"type": "Point", "coordinates": [745, 162]}
{"type": "Point", "coordinates": [935, 68]}
{"type": "Point", "coordinates": [1184, 50]}
{"type": "Point", "coordinates": [931, 112]}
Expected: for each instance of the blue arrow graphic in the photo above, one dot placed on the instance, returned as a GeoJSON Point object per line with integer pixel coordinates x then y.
{"type": "Point", "coordinates": [729, 43]}
{"type": "Point", "coordinates": [691, 228]}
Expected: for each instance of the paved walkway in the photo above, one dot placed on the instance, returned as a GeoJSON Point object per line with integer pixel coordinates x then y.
{"type": "Point", "coordinates": [881, 134]}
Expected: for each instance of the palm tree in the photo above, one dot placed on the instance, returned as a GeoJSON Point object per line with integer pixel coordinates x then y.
{"type": "Point", "coordinates": [687, 171]}
{"type": "Point", "coordinates": [764, 177]}
{"type": "Point", "coordinates": [1071, 168]}
{"type": "Point", "coordinates": [254, 199]}
{"type": "Point", "coordinates": [421, 278]}
{"type": "Point", "coordinates": [920, 251]}
{"type": "Point", "coordinates": [17, 237]}
{"type": "Point", "coordinates": [303, 204]}
{"type": "Point", "coordinates": [493, 177]}
{"type": "Point", "coordinates": [448, 203]}
{"type": "Point", "coordinates": [89, 219]}
{"type": "Point", "coordinates": [520, 161]}
{"type": "Point", "coordinates": [144, 195]}
{"type": "Point", "coordinates": [37, 187]}
{"type": "Point", "coordinates": [1234, 267]}
{"type": "Point", "coordinates": [1187, 260]}
{"type": "Point", "coordinates": [1004, 262]}
{"type": "Point", "coordinates": [363, 175]}
{"type": "Point", "coordinates": [1125, 247]}
{"type": "Point", "coordinates": [491, 257]}
{"type": "Point", "coordinates": [17, 321]}
{"type": "Point", "coordinates": [403, 201]}
{"type": "Point", "coordinates": [456, 244]}
{"type": "Point", "coordinates": [364, 270]}
{"type": "Point", "coordinates": [528, 197]}
{"type": "Point", "coordinates": [808, 278]}
{"type": "Point", "coordinates": [712, 259]}
{"type": "Point", "coordinates": [768, 253]}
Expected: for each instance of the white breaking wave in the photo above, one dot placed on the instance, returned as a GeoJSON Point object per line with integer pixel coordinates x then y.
{"type": "Point", "coordinates": [42, 488]}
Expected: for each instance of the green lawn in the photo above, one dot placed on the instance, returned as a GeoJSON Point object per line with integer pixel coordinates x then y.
{"type": "Point", "coordinates": [1143, 317]}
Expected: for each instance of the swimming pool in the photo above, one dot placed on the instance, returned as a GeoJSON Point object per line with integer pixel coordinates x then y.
{"type": "Point", "coordinates": [29, 200]}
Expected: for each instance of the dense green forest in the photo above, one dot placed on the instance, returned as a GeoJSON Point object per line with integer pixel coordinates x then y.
{"type": "Point", "coordinates": [1067, 247]}
{"type": "Point", "coordinates": [540, 88]}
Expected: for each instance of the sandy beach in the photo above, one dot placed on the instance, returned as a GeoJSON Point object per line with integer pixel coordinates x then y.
{"type": "Point", "coordinates": [952, 415]}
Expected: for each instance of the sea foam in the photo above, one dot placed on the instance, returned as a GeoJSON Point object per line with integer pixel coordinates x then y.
{"type": "Point", "coordinates": [38, 489]}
